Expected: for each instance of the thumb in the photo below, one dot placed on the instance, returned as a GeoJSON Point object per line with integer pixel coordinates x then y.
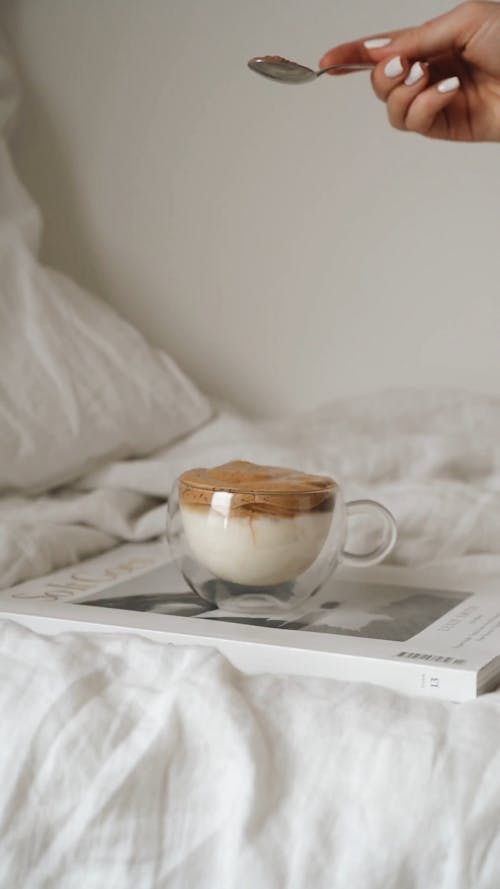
{"type": "Point", "coordinates": [446, 33]}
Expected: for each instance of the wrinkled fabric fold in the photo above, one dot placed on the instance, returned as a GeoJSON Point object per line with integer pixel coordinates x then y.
{"type": "Point", "coordinates": [433, 458]}
{"type": "Point", "coordinates": [127, 763]}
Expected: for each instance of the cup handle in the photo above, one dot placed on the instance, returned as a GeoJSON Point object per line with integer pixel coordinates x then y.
{"type": "Point", "coordinates": [389, 533]}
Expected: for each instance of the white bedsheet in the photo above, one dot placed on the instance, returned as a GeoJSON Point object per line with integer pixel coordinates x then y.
{"type": "Point", "coordinates": [125, 763]}
{"type": "Point", "coordinates": [433, 458]}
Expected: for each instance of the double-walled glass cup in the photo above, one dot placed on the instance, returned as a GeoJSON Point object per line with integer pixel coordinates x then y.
{"type": "Point", "coordinates": [256, 551]}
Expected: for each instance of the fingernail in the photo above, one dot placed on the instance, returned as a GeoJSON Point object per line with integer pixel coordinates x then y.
{"type": "Point", "coordinates": [447, 86]}
{"type": "Point", "coordinates": [377, 42]}
{"type": "Point", "coordinates": [415, 74]}
{"type": "Point", "coordinates": [394, 68]}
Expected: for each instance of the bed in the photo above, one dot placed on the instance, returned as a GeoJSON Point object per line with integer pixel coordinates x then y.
{"type": "Point", "coordinates": [127, 763]}
{"type": "Point", "coordinates": [130, 763]}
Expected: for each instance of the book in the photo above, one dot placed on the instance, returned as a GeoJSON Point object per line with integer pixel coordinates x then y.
{"type": "Point", "coordinates": [394, 628]}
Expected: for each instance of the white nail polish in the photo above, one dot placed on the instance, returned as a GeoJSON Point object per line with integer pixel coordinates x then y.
{"type": "Point", "coordinates": [449, 85]}
{"type": "Point", "coordinates": [394, 68]}
{"type": "Point", "coordinates": [377, 42]}
{"type": "Point", "coordinates": [415, 74]}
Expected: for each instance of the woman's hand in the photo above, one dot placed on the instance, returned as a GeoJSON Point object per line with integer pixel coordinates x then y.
{"type": "Point", "coordinates": [441, 79]}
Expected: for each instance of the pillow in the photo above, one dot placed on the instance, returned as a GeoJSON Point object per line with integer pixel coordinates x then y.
{"type": "Point", "coordinates": [78, 384]}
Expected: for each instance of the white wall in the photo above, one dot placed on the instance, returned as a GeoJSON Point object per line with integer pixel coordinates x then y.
{"type": "Point", "coordinates": [284, 244]}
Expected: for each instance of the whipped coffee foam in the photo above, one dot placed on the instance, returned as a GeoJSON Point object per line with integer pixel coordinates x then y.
{"type": "Point", "coordinates": [255, 525]}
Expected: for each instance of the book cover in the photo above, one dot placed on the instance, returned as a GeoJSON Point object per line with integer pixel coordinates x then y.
{"type": "Point", "coordinates": [388, 629]}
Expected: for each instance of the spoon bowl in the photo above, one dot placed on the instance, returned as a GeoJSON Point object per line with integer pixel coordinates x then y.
{"type": "Point", "coordinates": [285, 71]}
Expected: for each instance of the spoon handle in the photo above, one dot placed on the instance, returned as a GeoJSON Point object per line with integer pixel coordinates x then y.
{"type": "Point", "coordinates": [346, 68]}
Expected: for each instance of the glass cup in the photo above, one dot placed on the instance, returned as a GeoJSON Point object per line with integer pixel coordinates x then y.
{"type": "Point", "coordinates": [258, 552]}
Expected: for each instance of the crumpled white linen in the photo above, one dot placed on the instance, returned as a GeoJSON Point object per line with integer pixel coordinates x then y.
{"type": "Point", "coordinates": [126, 763]}
{"type": "Point", "coordinates": [432, 457]}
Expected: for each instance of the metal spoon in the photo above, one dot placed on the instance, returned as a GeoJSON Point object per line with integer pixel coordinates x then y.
{"type": "Point", "coordinates": [278, 68]}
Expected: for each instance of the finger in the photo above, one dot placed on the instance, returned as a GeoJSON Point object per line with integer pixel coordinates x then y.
{"type": "Point", "coordinates": [446, 33]}
{"type": "Point", "coordinates": [425, 112]}
{"type": "Point", "coordinates": [366, 51]}
{"type": "Point", "coordinates": [401, 98]}
{"type": "Point", "coordinates": [389, 74]}
{"type": "Point", "coordinates": [354, 53]}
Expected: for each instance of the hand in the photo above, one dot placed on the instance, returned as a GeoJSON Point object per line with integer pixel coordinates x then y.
{"type": "Point", "coordinates": [441, 79]}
